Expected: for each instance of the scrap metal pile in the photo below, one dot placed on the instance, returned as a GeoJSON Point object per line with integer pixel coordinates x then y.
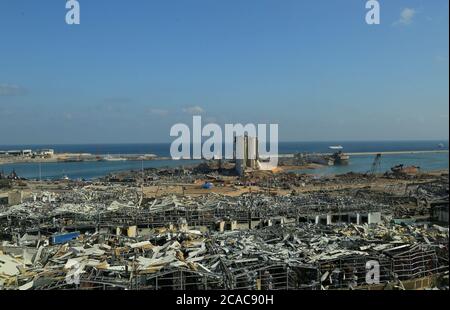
{"type": "Point", "coordinates": [48, 212]}
{"type": "Point", "coordinates": [284, 257]}
{"type": "Point", "coordinates": [88, 208]}
{"type": "Point", "coordinates": [110, 236]}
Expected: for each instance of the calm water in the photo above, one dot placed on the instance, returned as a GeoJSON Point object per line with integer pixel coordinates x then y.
{"type": "Point", "coordinates": [89, 170]}
{"type": "Point", "coordinates": [85, 170]}
{"type": "Point", "coordinates": [163, 149]}
{"type": "Point", "coordinates": [426, 162]}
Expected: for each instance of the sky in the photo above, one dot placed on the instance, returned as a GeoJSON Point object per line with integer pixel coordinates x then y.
{"type": "Point", "coordinates": [132, 69]}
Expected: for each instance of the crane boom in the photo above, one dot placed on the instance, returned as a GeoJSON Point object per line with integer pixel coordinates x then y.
{"type": "Point", "coordinates": [376, 164]}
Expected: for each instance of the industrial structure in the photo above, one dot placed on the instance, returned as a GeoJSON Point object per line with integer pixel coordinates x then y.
{"type": "Point", "coordinates": [246, 153]}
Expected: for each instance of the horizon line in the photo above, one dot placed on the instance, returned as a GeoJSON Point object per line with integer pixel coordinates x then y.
{"type": "Point", "coordinates": [286, 141]}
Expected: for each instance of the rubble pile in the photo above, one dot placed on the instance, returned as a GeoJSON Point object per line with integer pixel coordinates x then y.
{"type": "Point", "coordinates": [87, 207]}
{"type": "Point", "coordinates": [288, 257]}
{"type": "Point", "coordinates": [325, 234]}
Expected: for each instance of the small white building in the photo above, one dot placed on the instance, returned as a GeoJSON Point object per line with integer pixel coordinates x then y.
{"type": "Point", "coordinates": [46, 152]}
{"type": "Point", "coordinates": [14, 152]}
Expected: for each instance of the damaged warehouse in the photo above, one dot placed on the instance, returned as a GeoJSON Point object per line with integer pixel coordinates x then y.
{"type": "Point", "coordinates": [316, 237]}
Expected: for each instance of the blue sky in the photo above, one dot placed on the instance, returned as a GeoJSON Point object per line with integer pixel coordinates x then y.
{"type": "Point", "coordinates": [132, 69]}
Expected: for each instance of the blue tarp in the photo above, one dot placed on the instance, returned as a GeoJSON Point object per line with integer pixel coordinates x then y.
{"type": "Point", "coordinates": [63, 238]}
{"type": "Point", "coordinates": [207, 185]}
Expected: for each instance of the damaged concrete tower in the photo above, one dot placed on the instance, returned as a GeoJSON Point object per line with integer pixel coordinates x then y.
{"type": "Point", "coordinates": [252, 152]}
{"type": "Point", "coordinates": [246, 153]}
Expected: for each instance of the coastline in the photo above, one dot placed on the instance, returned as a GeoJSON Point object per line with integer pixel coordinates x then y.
{"type": "Point", "coordinates": [376, 153]}
{"type": "Point", "coordinates": [79, 157]}
{"type": "Point", "coordinates": [88, 166]}
{"type": "Point", "coordinates": [87, 157]}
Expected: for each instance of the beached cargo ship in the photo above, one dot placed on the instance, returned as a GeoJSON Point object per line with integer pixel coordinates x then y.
{"type": "Point", "coordinates": [341, 158]}
{"type": "Point", "coordinates": [321, 159]}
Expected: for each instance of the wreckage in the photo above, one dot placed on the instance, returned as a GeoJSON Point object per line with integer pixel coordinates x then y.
{"type": "Point", "coordinates": [104, 236]}
{"type": "Point", "coordinates": [287, 257]}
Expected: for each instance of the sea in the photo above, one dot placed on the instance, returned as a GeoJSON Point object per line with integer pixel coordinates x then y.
{"type": "Point", "coordinates": [96, 169]}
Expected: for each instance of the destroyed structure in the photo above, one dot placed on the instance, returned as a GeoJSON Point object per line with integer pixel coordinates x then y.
{"type": "Point", "coordinates": [318, 234]}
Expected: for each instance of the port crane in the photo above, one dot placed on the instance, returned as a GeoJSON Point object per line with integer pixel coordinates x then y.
{"type": "Point", "coordinates": [376, 165]}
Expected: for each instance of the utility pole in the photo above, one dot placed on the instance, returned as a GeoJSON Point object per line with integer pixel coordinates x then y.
{"type": "Point", "coordinates": [40, 173]}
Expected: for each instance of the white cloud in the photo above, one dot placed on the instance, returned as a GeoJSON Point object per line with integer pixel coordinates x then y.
{"type": "Point", "coordinates": [68, 116]}
{"type": "Point", "coordinates": [118, 100]}
{"type": "Point", "coordinates": [406, 16]}
{"type": "Point", "coordinates": [11, 90]}
{"type": "Point", "coordinates": [211, 119]}
{"type": "Point", "coordinates": [194, 110]}
{"type": "Point", "coordinates": [158, 112]}
{"type": "Point", "coordinates": [441, 59]}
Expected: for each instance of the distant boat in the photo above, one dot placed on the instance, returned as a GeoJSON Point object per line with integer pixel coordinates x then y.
{"type": "Point", "coordinates": [65, 177]}
{"type": "Point", "coordinates": [336, 147]}
{"type": "Point", "coordinates": [111, 158]}
{"type": "Point", "coordinates": [147, 157]}
{"type": "Point", "coordinates": [441, 145]}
